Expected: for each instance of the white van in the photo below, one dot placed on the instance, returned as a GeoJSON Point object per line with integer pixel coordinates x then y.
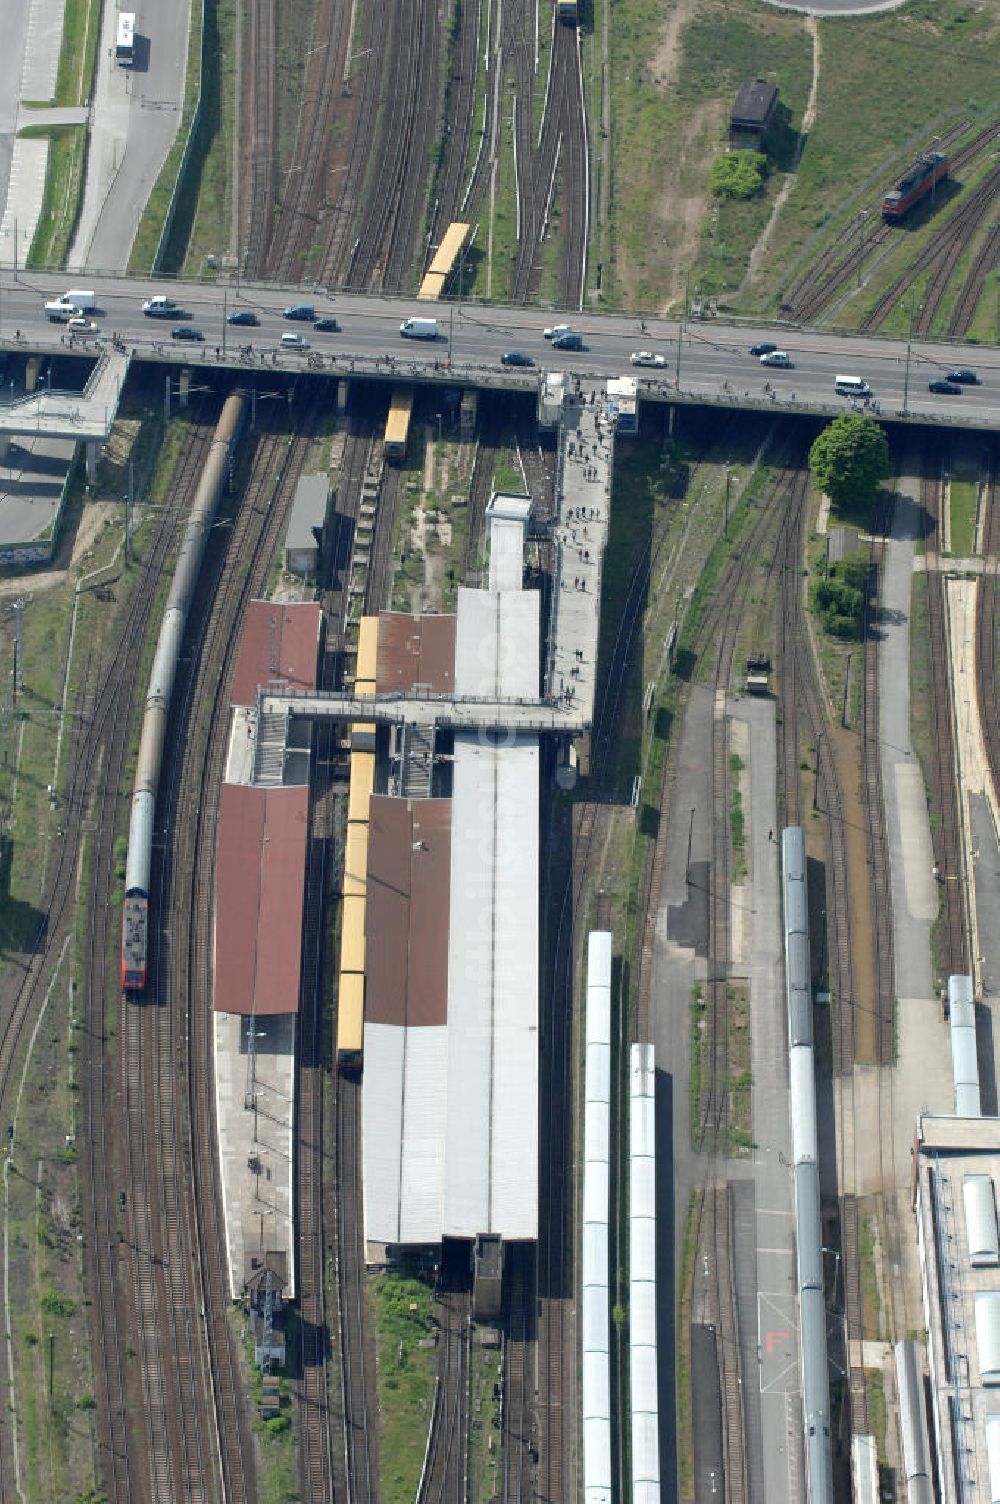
{"type": "Point", "coordinates": [82, 297]}
{"type": "Point", "coordinates": [294, 342]}
{"type": "Point", "coordinates": [852, 386]}
{"type": "Point", "coordinates": [60, 312]}
{"type": "Point", "coordinates": [419, 328]}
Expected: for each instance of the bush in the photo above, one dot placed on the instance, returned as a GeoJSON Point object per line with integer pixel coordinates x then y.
{"type": "Point", "coordinates": [839, 598]}
{"type": "Point", "coordinates": [739, 174]}
{"type": "Point", "coordinates": [54, 1303]}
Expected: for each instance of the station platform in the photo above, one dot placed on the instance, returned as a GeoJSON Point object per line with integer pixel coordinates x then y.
{"type": "Point", "coordinates": [254, 1112]}
{"type": "Point", "coordinates": [583, 502]}
{"type": "Point", "coordinates": [86, 415]}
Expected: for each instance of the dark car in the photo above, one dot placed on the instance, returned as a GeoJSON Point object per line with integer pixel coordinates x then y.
{"type": "Point", "coordinates": [763, 349]}
{"type": "Point", "coordinates": [945, 388]}
{"type": "Point", "coordinates": [186, 331]}
{"type": "Point", "coordinates": [965, 378]}
{"type": "Point", "coordinates": [327, 326]}
{"type": "Point", "coordinates": [515, 358]}
{"type": "Point", "coordinates": [242, 316]}
{"type": "Point", "coordinates": [304, 312]}
{"type": "Point", "coordinates": [567, 342]}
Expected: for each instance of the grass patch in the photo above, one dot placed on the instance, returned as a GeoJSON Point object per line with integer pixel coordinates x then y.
{"type": "Point", "coordinates": [964, 506]}
{"type": "Point", "coordinates": [740, 1074]}
{"type": "Point", "coordinates": [81, 34]}
{"type": "Point", "coordinates": [870, 1299]}
{"type": "Point", "coordinates": [210, 171]}
{"type": "Point", "coordinates": [277, 1474]}
{"type": "Point", "coordinates": [403, 1324]}
{"type": "Point", "coordinates": [685, 1447]}
{"type": "Point", "coordinates": [870, 120]}
{"type": "Point", "coordinates": [61, 195]}
{"type": "Point", "coordinates": [150, 233]}
{"type": "Point", "coordinates": [737, 831]}
{"type": "Point", "coordinates": [730, 41]}
{"type": "Point", "coordinates": [698, 1028]}
{"type": "Point", "coordinates": [877, 1413]}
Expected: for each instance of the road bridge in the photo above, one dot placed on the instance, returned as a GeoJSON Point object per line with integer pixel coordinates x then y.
{"type": "Point", "coordinates": [701, 362]}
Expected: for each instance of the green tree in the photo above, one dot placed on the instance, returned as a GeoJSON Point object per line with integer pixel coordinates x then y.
{"type": "Point", "coordinates": [739, 174]}
{"type": "Point", "coordinates": [850, 459]}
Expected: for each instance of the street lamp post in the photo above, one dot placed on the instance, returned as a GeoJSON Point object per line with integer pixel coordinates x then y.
{"type": "Point", "coordinates": [680, 331]}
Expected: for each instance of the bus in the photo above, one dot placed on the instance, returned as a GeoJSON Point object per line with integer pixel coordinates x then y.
{"type": "Point", "coordinates": [125, 45]}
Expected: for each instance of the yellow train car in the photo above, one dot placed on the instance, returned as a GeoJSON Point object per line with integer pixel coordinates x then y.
{"type": "Point", "coordinates": [444, 261]}
{"type": "Point", "coordinates": [352, 935]}
{"type": "Point", "coordinates": [367, 660]}
{"type": "Point", "coordinates": [351, 1021]}
{"type": "Point", "coordinates": [362, 785]}
{"type": "Point", "coordinates": [397, 428]}
{"type": "Point", "coordinates": [356, 860]}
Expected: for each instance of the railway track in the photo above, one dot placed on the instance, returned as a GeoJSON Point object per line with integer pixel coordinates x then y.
{"type": "Point", "coordinates": [985, 259]}
{"type": "Point", "coordinates": [884, 1000]}
{"type": "Point", "coordinates": [260, 208]}
{"type": "Point", "coordinates": [133, 1423]}
{"type": "Point", "coordinates": [459, 103]}
{"type": "Point", "coordinates": [953, 950]}
{"type": "Point", "coordinates": [231, 579]}
{"type": "Point", "coordinates": [357, 1385]}
{"type": "Point", "coordinates": [445, 1474]}
{"type": "Point", "coordinates": [517, 1416]}
{"type": "Point", "coordinates": [828, 276]}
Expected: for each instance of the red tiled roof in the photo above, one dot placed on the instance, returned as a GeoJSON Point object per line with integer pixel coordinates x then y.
{"type": "Point", "coordinates": [280, 642]}
{"type": "Point", "coordinates": [259, 888]}
{"type": "Point", "coordinates": [415, 650]}
{"type": "Point", "coordinates": [409, 877]}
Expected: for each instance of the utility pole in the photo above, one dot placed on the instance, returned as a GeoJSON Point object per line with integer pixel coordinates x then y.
{"type": "Point", "coordinates": [225, 319]}
{"type": "Point", "coordinates": [909, 343]}
{"type": "Point", "coordinates": [725, 528]}
{"type": "Point", "coordinates": [680, 331]}
{"type": "Point", "coordinates": [18, 650]}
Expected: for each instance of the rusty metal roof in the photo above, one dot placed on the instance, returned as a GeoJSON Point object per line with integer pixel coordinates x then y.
{"type": "Point", "coordinates": [409, 875]}
{"type": "Point", "coordinates": [280, 645]}
{"type": "Point", "coordinates": [415, 650]}
{"type": "Point", "coordinates": [260, 882]}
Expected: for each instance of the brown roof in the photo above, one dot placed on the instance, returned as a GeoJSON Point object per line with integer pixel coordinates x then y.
{"type": "Point", "coordinates": [279, 642]}
{"type": "Point", "coordinates": [409, 878]}
{"type": "Point", "coordinates": [415, 650]}
{"type": "Point", "coordinates": [260, 880]}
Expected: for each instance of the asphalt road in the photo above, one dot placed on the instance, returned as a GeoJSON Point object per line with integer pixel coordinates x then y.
{"type": "Point", "coordinates": [714, 357]}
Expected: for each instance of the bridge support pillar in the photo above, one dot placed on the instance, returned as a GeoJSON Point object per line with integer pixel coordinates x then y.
{"type": "Point", "coordinates": [343, 387]}
{"type": "Point", "coordinates": [92, 452]}
{"type": "Point", "coordinates": [184, 386]}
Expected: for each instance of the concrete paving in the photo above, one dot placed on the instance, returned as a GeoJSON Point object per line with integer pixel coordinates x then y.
{"type": "Point", "coordinates": [583, 491]}
{"type": "Point", "coordinates": [43, 44]}
{"type": "Point", "coordinates": [466, 714]}
{"type": "Point", "coordinates": [255, 1146]}
{"type": "Point", "coordinates": [136, 116]}
{"type": "Point", "coordinates": [32, 477]}
{"type": "Point", "coordinates": [25, 188]}
{"type": "Point", "coordinates": [15, 35]}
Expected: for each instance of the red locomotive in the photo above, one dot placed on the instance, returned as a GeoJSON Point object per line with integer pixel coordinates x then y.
{"type": "Point", "coordinates": [915, 184]}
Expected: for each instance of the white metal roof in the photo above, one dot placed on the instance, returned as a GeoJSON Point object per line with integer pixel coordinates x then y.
{"type": "Point", "coordinates": [405, 1085]}
{"type": "Point", "coordinates": [491, 1143]}
{"type": "Point", "coordinates": [506, 554]}
{"type": "Point", "coordinates": [981, 1219]}
{"type": "Point", "coordinates": [993, 1455]}
{"type": "Point", "coordinates": [642, 1274]}
{"type": "Point", "coordinates": [497, 637]}
{"type": "Point", "coordinates": [803, 1093]}
{"type": "Point", "coordinates": [988, 1335]}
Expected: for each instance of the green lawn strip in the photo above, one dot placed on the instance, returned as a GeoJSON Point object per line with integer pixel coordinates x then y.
{"type": "Point", "coordinates": [150, 232]}
{"type": "Point", "coordinates": [736, 825]}
{"type": "Point", "coordinates": [985, 326]}
{"type": "Point", "coordinates": [872, 1314]}
{"type": "Point", "coordinates": [404, 1326]}
{"type": "Point", "coordinates": [964, 490]}
{"type": "Point", "coordinates": [409, 565]}
{"type": "Point", "coordinates": [730, 41]}
{"type": "Point", "coordinates": [870, 120]}
{"type": "Point", "coordinates": [698, 1026]}
{"type": "Point", "coordinates": [81, 34]}
{"type": "Point", "coordinates": [61, 195]}
{"type": "Point", "coordinates": [685, 1418]}
{"type": "Point", "coordinates": [210, 174]}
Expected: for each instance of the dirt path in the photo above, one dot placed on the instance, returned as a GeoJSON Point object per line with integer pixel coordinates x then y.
{"type": "Point", "coordinates": [93, 517]}
{"type": "Point", "coordinates": [760, 249]}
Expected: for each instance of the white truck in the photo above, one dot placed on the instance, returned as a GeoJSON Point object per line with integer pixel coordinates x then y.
{"type": "Point", "coordinates": [81, 297]}
{"type": "Point", "coordinates": [60, 311]}
{"type": "Point", "coordinates": [419, 328]}
{"type": "Point", "coordinates": [160, 308]}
